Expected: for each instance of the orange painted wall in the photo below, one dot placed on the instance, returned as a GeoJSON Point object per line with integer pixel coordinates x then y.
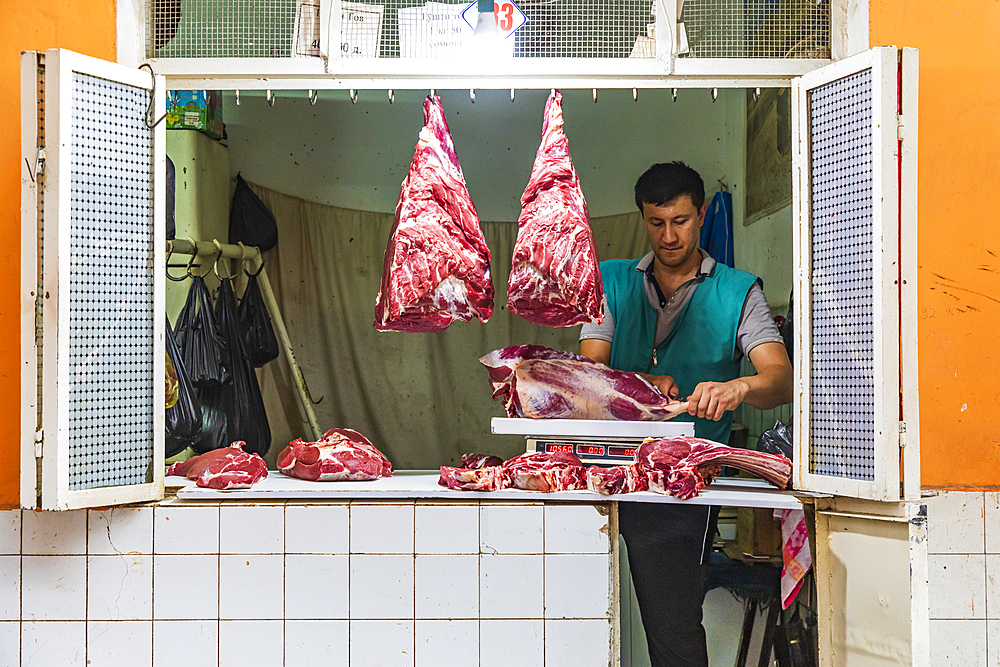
{"type": "Point", "coordinates": [959, 236]}
{"type": "Point", "coordinates": [85, 26]}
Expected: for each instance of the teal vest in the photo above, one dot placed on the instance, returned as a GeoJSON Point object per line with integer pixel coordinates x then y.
{"type": "Point", "coordinates": [701, 344]}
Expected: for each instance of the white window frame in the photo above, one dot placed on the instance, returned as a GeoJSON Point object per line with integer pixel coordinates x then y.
{"type": "Point", "coordinates": [894, 257]}
{"type": "Point", "coordinates": [49, 444]}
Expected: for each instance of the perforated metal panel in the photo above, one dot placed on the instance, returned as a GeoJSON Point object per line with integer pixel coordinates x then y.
{"type": "Point", "coordinates": [111, 366]}
{"type": "Point", "coordinates": [842, 438]}
{"type": "Point", "coordinates": [757, 28]}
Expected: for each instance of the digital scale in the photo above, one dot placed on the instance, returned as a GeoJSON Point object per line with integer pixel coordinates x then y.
{"type": "Point", "coordinates": [595, 441]}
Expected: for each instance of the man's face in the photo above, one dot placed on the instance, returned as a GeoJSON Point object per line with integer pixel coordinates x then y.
{"type": "Point", "coordinates": [674, 230]}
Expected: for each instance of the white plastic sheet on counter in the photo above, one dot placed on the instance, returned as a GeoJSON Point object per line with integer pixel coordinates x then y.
{"type": "Point", "coordinates": [422, 484]}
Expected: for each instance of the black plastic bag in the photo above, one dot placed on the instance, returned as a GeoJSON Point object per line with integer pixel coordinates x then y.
{"type": "Point", "coordinates": [197, 339]}
{"type": "Point", "coordinates": [250, 221]}
{"type": "Point", "coordinates": [787, 332]}
{"type": "Point", "coordinates": [795, 642]}
{"type": "Point", "coordinates": [262, 346]}
{"type": "Point", "coordinates": [182, 422]}
{"type": "Point", "coordinates": [777, 439]}
{"type": "Point", "coordinates": [240, 398]}
{"type": "Point", "coordinates": [170, 198]}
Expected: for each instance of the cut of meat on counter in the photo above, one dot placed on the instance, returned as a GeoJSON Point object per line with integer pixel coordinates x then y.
{"type": "Point", "coordinates": [480, 460]}
{"type": "Point", "coordinates": [223, 468]}
{"type": "Point", "coordinates": [436, 267]}
{"type": "Point", "coordinates": [683, 466]}
{"type": "Point", "coordinates": [488, 478]}
{"type": "Point", "coordinates": [554, 280]}
{"type": "Point", "coordinates": [539, 383]}
{"type": "Point", "coordinates": [542, 471]}
{"type": "Point", "coordinates": [341, 455]}
{"type": "Point", "coordinates": [539, 471]}
{"type": "Point", "coordinates": [616, 479]}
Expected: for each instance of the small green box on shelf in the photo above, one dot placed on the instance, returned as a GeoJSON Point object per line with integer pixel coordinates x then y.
{"type": "Point", "coordinates": [195, 110]}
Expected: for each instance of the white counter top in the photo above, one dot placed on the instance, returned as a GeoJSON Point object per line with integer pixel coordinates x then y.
{"type": "Point", "coordinates": [422, 485]}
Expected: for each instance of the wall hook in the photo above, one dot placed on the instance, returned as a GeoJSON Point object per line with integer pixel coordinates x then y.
{"type": "Point", "coordinates": [392, 95]}
{"type": "Point", "coordinates": [472, 95]}
{"type": "Point", "coordinates": [313, 96]}
{"type": "Point", "coordinates": [237, 97]}
{"type": "Point", "coordinates": [756, 94]}
{"type": "Point", "coordinates": [354, 96]}
{"type": "Point", "coordinates": [595, 95]}
{"type": "Point", "coordinates": [270, 98]}
{"type": "Point", "coordinates": [511, 94]}
{"type": "Point", "coordinates": [635, 94]}
{"type": "Point", "coordinates": [715, 94]}
{"type": "Point", "coordinates": [432, 92]}
{"type": "Point", "coordinates": [673, 92]}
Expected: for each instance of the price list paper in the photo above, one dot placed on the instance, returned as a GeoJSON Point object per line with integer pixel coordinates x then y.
{"type": "Point", "coordinates": [360, 29]}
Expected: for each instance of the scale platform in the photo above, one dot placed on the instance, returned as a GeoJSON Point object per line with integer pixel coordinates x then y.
{"type": "Point", "coordinates": [595, 441]}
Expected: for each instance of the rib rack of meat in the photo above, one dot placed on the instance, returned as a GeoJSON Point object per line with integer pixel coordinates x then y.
{"type": "Point", "coordinates": [542, 471]}
{"type": "Point", "coordinates": [436, 267]}
{"type": "Point", "coordinates": [554, 280]}
{"type": "Point", "coordinates": [341, 455]}
{"type": "Point", "coordinates": [683, 466]}
{"type": "Point", "coordinates": [224, 468]}
{"type": "Point", "coordinates": [540, 383]}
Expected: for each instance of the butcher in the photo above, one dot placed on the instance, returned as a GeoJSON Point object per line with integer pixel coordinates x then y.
{"type": "Point", "coordinates": [685, 322]}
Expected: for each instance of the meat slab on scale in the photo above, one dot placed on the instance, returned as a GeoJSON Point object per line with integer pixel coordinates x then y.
{"type": "Point", "coordinates": [554, 280]}
{"type": "Point", "coordinates": [436, 267]}
{"type": "Point", "coordinates": [539, 383]}
{"type": "Point", "coordinates": [613, 480]}
{"type": "Point", "coordinates": [224, 468]}
{"type": "Point", "coordinates": [341, 455]}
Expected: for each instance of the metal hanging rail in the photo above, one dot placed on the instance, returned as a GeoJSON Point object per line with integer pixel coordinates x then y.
{"type": "Point", "coordinates": [218, 250]}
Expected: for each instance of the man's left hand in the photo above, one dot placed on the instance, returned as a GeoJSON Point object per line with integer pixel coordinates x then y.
{"type": "Point", "coordinates": [710, 400]}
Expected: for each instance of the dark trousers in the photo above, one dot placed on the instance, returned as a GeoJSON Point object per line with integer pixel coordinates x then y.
{"type": "Point", "coordinates": [667, 546]}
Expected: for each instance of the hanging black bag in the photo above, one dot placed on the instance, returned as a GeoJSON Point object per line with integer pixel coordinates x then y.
{"type": "Point", "coordinates": [240, 398]}
{"type": "Point", "coordinates": [182, 421]}
{"type": "Point", "coordinates": [170, 199]}
{"type": "Point", "coordinates": [250, 221]}
{"type": "Point", "coordinates": [262, 345]}
{"type": "Point", "coordinates": [196, 337]}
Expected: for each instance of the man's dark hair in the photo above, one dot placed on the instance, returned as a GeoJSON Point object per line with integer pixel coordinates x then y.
{"type": "Point", "coordinates": [664, 182]}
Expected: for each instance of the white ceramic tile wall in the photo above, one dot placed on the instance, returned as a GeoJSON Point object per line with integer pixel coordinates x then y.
{"type": "Point", "coordinates": [578, 643]}
{"type": "Point", "coordinates": [957, 585]}
{"type": "Point", "coordinates": [120, 530]}
{"type": "Point", "coordinates": [119, 643]}
{"type": "Point", "coordinates": [573, 585]}
{"type": "Point", "coordinates": [296, 584]}
{"type": "Point", "coordinates": [991, 502]}
{"type": "Point", "coordinates": [316, 586]}
{"type": "Point", "coordinates": [960, 528]}
{"type": "Point", "coordinates": [993, 643]}
{"type": "Point", "coordinates": [317, 529]}
{"type": "Point", "coordinates": [317, 644]}
{"type": "Point", "coordinates": [958, 643]}
{"type": "Point", "coordinates": [187, 643]}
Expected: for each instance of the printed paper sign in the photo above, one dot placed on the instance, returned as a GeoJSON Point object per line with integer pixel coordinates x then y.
{"type": "Point", "coordinates": [360, 29]}
{"type": "Point", "coordinates": [508, 15]}
{"type": "Point", "coordinates": [436, 30]}
{"type": "Point", "coordinates": [306, 38]}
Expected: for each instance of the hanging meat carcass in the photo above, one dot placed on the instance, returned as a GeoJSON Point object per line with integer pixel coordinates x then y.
{"type": "Point", "coordinates": [554, 280]}
{"type": "Point", "coordinates": [682, 466]}
{"type": "Point", "coordinates": [223, 468]}
{"type": "Point", "coordinates": [436, 267]}
{"type": "Point", "coordinates": [540, 383]}
{"type": "Point", "coordinates": [341, 455]}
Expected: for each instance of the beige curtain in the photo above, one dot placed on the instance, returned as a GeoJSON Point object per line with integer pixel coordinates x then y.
{"type": "Point", "coordinates": [423, 399]}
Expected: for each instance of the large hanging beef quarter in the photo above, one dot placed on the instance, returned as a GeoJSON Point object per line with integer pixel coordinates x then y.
{"type": "Point", "coordinates": [554, 279]}
{"type": "Point", "coordinates": [437, 267]}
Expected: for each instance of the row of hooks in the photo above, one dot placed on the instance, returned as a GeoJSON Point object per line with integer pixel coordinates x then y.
{"type": "Point", "coordinates": [190, 272]}
{"type": "Point", "coordinates": [313, 95]}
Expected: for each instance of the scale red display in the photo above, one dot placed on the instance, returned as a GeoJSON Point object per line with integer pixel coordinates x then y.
{"type": "Point", "coordinates": [559, 448]}
{"type": "Point", "coordinates": [621, 451]}
{"type": "Point", "coordinates": [589, 450]}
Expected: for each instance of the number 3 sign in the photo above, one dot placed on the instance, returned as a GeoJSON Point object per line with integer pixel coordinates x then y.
{"type": "Point", "coordinates": [508, 16]}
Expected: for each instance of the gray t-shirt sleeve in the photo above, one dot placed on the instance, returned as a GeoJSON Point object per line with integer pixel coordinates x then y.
{"type": "Point", "coordinates": [605, 330]}
{"type": "Point", "coordinates": [756, 323]}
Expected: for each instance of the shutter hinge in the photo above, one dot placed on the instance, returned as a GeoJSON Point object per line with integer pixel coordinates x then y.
{"type": "Point", "coordinates": [39, 437]}
{"type": "Point", "coordinates": [902, 434]}
{"type": "Point", "coordinates": [901, 127]}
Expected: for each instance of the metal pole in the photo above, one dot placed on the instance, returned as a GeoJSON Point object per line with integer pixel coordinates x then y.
{"type": "Point", "coordinates": [210, 249]}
